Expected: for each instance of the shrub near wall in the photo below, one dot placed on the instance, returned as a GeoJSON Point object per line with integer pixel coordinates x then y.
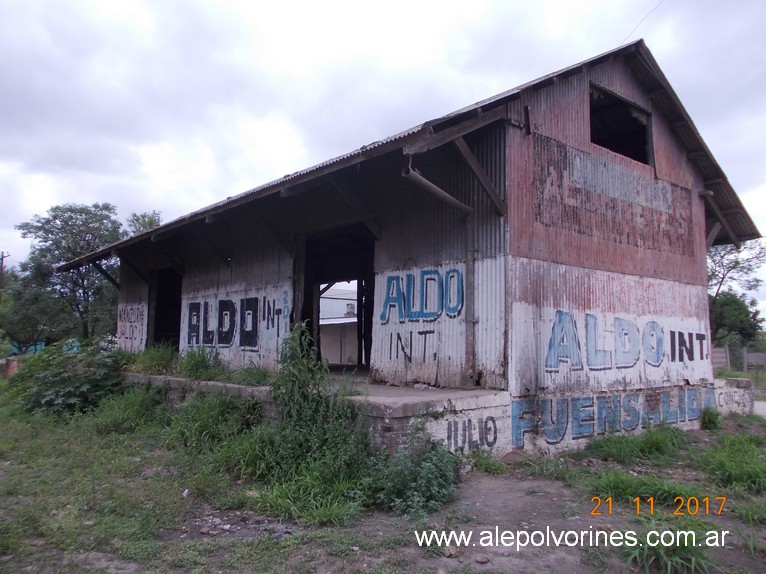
{"type": "Point", "coordinates": [65, 380]}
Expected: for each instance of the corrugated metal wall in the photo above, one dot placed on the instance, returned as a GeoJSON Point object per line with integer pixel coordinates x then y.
{"type": "Point", "coordinates": [425, 242]}
{"type": "Point", "coordinates": [607, 275]}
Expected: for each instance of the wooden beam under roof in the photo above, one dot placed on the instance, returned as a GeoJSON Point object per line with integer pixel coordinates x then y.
{"type": "Point", "coordinates": [481, 175]}
{"type": "Point", "coordinates": [445, 136]}
{"type": "Point", "coordinates": [358, 206]}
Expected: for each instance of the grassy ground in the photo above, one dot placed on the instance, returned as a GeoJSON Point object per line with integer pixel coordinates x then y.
{"type": "Point", "coordinates": [75, 496]}
{"type": "Point", "coordinates": [130, 487]}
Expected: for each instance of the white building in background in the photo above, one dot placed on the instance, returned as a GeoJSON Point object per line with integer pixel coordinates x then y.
{"type": "Point", "coordinates": [338, 324]}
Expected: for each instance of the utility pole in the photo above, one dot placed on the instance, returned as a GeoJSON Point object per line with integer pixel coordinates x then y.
{"type": "Point", "coordinates": [3, 255]}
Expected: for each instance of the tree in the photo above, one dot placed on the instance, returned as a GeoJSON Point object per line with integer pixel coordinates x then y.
{"type": "Point", "coordinates": [29, 314]}
{"type": "Point", "coordinates": [145, 221]}
{"type": "Point", "coordinates": [731, 315]}
{"type": "Point", "coordinates": [69, 231]}
{"type": "Point", "coordinates": [734, 318]}
{"type": "Point", "coordinates": [729, 266]}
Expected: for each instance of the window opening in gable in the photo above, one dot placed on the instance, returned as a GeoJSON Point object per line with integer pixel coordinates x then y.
{"type": "Point", "coordinates": [619, 126]}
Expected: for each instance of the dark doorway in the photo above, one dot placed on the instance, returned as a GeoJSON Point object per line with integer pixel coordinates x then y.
{"type": "Point", "coordinates": [334, 257]}
{"type": "Point", "coordinates": [167, 307]}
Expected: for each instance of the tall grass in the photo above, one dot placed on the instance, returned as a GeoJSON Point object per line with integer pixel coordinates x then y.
{"type": "Point", "coordinates": [660, 441]}
{"type": "Point", "coordinates": [736, 460]}
{"type": "Point", "coordinates": [155, 360]}
{"type": "Point", "coordinates": [205, 422]}
{"type": "Point", "coordinates": [686, 556]}
{"type": "Point", "coordinates": [313, 461]}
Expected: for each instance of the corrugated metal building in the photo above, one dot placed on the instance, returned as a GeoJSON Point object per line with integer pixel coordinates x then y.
{"type": "Point", "coordinates": [548, 242]}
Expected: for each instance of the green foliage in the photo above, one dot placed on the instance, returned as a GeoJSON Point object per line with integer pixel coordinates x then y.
{"type": "Point", "coordinates": [309, 496]}
{"type": "Point", "coordinates": [314, 424]}
{"type": "Point", "coordinates": [129, 411]}
{"type": "Point", "coordinates": [252, 454]}
{"type": "Point", "coordinates": [206, 421]}
{"type": "Point", "coordinates": [66, 233]}
{"type": "Point", "coordinates": [201, 364]}
{"type": "Point", "coordinates": [550, 467]}
{"type": "Point", "coordinates": [313, 460]}
{"type": "Point", "coordinates": [753, 514]}
{"type": "Point", "coordinates": [155, 360]}
{"type": "Point", "coordinates": [736, 460]}
{"type": "Point", "coordinates": [142, 222]}
{"type": "Point", "coordinates": [686, 556]}
{"type": "Point", "coordinates": [252, 376]}
{"type": "Point", "coordinates": [625, 487]}
{"type": "Point", "coordinates": [421, 478]}
{"type": "Point", "coordinates": [484, 462]}
{"type": "Point", "coordinates": [732, 316]}
{"type": "Point", "coordinates": [30, 314]}
{"type": "Point", "coordinates": [660, 441]}
{"type": "Point", "coordinates": [729, 266]}
{"type": "Point", "coordinates": [62, 381]}
{"type": "Point", "coordinates": [710, 419]}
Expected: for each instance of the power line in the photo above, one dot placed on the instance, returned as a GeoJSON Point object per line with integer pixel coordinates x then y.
{"type": "Point", "coordinates": [642, 19]}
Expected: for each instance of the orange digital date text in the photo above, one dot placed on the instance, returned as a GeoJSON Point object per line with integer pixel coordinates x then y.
{"type": "Point", "coordinates": [682, 506]}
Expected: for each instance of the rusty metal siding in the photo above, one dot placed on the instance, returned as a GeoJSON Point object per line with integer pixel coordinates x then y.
{"type": "Point", "coordinates": [576, 203]}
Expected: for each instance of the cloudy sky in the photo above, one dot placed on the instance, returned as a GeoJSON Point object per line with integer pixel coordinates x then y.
{"type": "Point", "coordinates": [173, 105]}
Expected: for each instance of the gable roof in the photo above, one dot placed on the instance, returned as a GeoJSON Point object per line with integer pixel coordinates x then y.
{"type": "Point", "coordinates": [724, 209]}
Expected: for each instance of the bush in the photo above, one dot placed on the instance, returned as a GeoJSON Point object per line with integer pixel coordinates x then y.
{"type": "Point", "coordinates": [421, 479]}
{"type": "Point", "coordinates": [313, 460]}
{"type": "Point", "coordinates": [65, 380]}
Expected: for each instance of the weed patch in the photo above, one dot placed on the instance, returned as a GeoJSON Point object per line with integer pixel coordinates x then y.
{"type": "Point", "coordinates": [484, 462]}
{"type": "Point", "coordinates": [686, 555]}
{"type": "Point", "coordinates": [623, 486]}
{"type": "Point", "coordinates": [736, 460]}
{"type": "Point", "coordinates": [422, 478]}
{"type": "Point", "coordinates": [660, 441]}
{"type": "Point", "coordinates": [207, 421]}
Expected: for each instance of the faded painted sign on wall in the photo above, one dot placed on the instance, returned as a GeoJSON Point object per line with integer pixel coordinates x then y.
{"type": "Point", "coordinates": [131, 326]}
{"type": "Point", "coordinates": [501, 423]}
{"type": "Point", "coordinates": [558, 419]}
{"type": "Point", "coordinates": [237, 323]}
{"type": "Point", "coordinates": [418, 329]}
{"type": "Point", "coordinates": [615, 343]}
{"type": "Point", "coordinates": [575, 192]}
{"type": "Point", "coordinates": [568, 351]}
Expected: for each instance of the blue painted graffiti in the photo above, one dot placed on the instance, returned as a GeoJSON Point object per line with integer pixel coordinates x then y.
{"type": "Point", "coordinates": [586, 416]}
{"type": "Point", "coordinates": [630, 342]}
{"type": "Point", "coordinates": [425, 298]}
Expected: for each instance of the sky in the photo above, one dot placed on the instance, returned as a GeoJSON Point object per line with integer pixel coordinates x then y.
{"type": "Point", "coordinates": [174, 105]}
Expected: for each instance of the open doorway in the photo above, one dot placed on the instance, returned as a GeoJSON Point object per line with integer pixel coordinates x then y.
{"type": "Point", "coordinates": [166, 311]}
{"type": "Point", "coordinates": [338, 293]}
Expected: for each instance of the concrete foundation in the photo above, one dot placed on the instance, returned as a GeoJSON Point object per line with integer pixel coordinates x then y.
{"type": "Point", "coordinates": [493, 420]}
